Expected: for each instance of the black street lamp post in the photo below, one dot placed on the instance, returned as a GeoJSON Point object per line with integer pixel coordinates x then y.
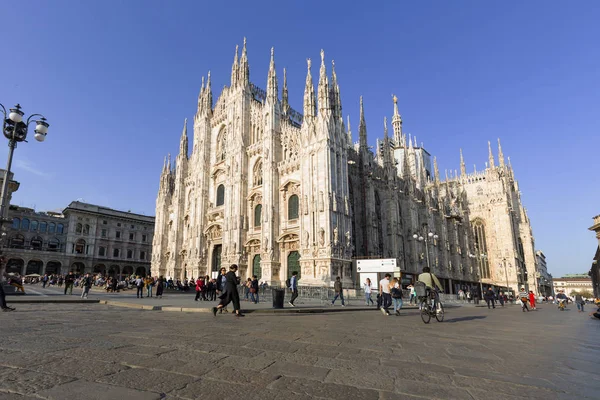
{"type": "Point", "coordinates": [15, 130]}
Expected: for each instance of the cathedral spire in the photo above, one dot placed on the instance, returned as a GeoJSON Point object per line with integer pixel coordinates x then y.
{"type": "Point", "coordinates": [397, 124]}
{"type": "Point", "coordinates": [309, 93]}
{"type": "Point", "coordinates": [349, 133]}
{"type": "Point", "coordinates": [272, 89]}
{"type": "Point", "coordinates": [183, 143]}
{"type": "Point", "coordinates": [500, 154]}
{"type": "Point", "coordinates": [285, 106]}
{"type": "Point", "coordinates": [235, 68]}
{"type": "Point", "coordinates": [387, 159]}
{"type": "Point", "coordinates": [201, 95]}
{"type": "Point", "coordinates": [334, 93]}
{"type": "Point", "coordinates": [165, 170]}
{"type": "Point", "coordinates": [436, 170]}
{"type": "Point", "coordinates": [169, 162]}
{"type": "Point", "coordinates": [323, 88]}
{"type": "Point", "coordinates": [362, 127]}
{"type": "Point", "coordinates": [463, 167]}
{"type": "Point", "coordinates": [490, 155]}
{"type": "Point", "coordinates": [244, 69]}
{"type": "Point", "coordinates": [208, 99]}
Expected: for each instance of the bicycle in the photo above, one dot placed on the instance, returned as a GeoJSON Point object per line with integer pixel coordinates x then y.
{"type": "Point", "coordinates": [428, 310]}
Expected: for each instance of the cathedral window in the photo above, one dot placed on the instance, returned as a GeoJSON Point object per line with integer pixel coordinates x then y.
{"type": "Point", "coordinates": [221, 145]}
{"type": "Point", "coordinates": [481, 248]}
{"type": "Point", "coordinates": [78, 229]}
{"type": "Point", "coordinates": [258, 173]}
{"type": "Point", "coordinates": [293, 206]}
{"type": "Point", "coordinates": [220, 195]}
{"type": "Point", "coordinates": [257, 215]}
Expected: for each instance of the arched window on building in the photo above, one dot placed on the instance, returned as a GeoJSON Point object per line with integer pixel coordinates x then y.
{"type": "Point", "coordinates": [220, 195]}
{"type": "Point", "coordinates": [102, 252]}
{"type": "Point", "coordinates": [221, 145]}
{"type": "Point", "coordinates": [16, 223]}
{"type": "Point", "coordinates": [293, 207]}
{"type": "Point", "coordinates": [79, 247]}
{"type": "Point", "coordinates": [51, 227]}
{"type": "Point", "coordinates": [36, 243]}
{"type": "Point", "coordinates": [129, 253]}
{"type": "Point", "coordinates": [481, 248]}
{"type": "Point", "coordinates": [257, 215]}
{"type": "Point", "coordinates": [17, 242]}
{"type": "Point", "coordinates": [53, 245]}
{"type": "Point", "coordinates": [25, 224]}
{"type": "Point", "coordinates": [60, 228]}
{"type": "Point", "coordinates": [79, 229]}
{"type": "Point", "coordinates": [86, 229]}
{"type": "Point", "coordinates": [257, 174]}
{"type": "Point", "coordinates": [43, 226]}
{"type": "Point", "coordinates": [34, 226]}
{"type": "Point", "coordinates": [116, 252]}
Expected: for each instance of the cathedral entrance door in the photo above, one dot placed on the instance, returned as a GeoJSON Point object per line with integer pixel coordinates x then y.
{"type": "Point", "coordinates": [216, 260]}
{"type": "Point", "coordinates": [293, 263]}
{"type": "Point", "coordinates": [256, 270]}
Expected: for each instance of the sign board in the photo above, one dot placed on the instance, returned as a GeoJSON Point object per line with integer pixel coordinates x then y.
{"type": "Point", "coordinates": [378, 265]}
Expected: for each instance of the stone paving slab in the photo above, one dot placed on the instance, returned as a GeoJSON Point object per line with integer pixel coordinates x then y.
{"type": "Point", "coordinates": [58, 350]}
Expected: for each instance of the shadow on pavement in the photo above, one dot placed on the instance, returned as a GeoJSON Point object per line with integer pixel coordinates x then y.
{"type": "Point", "coordinates": [462, 319]}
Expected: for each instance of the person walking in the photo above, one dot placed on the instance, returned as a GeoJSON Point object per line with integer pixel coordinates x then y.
{"type": "Point", "coordinates": [396, 293]}
{"type": "Point", "coordinates": [199, 285]}
{"type": "Point", "coordinates": [501, 299]}
{"type": "Point", "coordinates": [489, 297]}
{"type": "Point", "coordinates": [368, 288]}
{"type": "Point", "coordinates": [149, 282]}
{"type": "Point", "coordinates": [293, 288]}
{"type": "Point", "coordinates": [413, 295]}
{"type": "Point", "coordinates": [69, 282]}
{"type": "Point", "coordinates": [3, 305]}
{"type": "Point", "coordinates": [222, 286]}
{"type": "Point", "coordinates": [230, 293]}
{"type": "Point", "coordinates": [160, 286]}
{"type": "Point", "coordinates": [139, 284]}
{"type": "Point", "coordinates": [384, 292]}
{"type": "Point", "coordinates": [254, 289]}
{"type": "Point", "coordinates": [339, 291]}
{"type": "Point", "coordinates": [532, 299]}
{"type": "Point", "coordinates": [44, 281]}
{"type": "Point", "coordinates": [524, 297]}
{"type": "Point", "coordinates": [86, 285]}
{"type": "Point", "coordinates": [580, 302]}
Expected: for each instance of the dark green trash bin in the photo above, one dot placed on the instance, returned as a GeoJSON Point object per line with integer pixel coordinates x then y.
{"type": "Point", "coordinates": [278, 297]}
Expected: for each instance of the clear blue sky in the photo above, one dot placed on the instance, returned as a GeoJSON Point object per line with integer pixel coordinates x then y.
{"type": "Point", "coordinates": [117, 78]}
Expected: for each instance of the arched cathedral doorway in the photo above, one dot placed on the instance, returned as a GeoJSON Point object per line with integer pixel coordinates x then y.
{"type": "Point", "coordinates": [216, 260]}
{"type": "Point", "coordinates": [256, 270]}
{"type": "Point", "coordinates": [293, 263]}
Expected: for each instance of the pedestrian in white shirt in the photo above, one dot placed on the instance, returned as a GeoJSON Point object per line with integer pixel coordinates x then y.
{"type": "Point", "coordinates": [384, 291]}
{"type": "Point", "coordinates": [368, 287]}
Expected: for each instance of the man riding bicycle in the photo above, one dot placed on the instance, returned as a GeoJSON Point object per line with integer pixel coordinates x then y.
{"type": "Point", "coordinates": [431, 282]}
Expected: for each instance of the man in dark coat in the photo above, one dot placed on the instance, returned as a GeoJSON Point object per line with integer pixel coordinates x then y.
{"type": "Point", "coordinates": [230, 294]}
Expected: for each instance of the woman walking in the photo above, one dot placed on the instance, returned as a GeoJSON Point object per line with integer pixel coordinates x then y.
{"type": "Point", "coordinates": [222, 286]}
{"type": "Point", "coordinates": [396, 292]}
{"type": "Point", "coordinates": [231, 294]}
{"type": "Point", "coordinates": [160, 285]}
{"type": "Point", "coordinates": [368, 287]}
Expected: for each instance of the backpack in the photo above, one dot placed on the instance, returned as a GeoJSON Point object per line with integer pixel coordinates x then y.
{"type": "Point", "coordinates": [288, 283]}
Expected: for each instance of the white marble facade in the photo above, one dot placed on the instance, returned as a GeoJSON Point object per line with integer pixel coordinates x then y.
{"type": "Point", "coordinates": [274, 190]}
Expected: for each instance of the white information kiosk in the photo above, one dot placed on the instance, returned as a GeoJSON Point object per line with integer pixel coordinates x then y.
{"type": "Point", "coordinates": [375, 270]}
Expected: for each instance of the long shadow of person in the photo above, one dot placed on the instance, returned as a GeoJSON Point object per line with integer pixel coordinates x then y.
{"type": "Point", "coordinates": [462, 319]}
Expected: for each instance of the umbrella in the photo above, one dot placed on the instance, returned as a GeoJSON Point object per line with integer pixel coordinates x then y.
{"type": "Point", "coordinates": [32, 276]}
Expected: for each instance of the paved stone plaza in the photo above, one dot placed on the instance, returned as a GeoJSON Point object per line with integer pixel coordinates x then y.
{"type": "Point", "coordinates": [93, 351]}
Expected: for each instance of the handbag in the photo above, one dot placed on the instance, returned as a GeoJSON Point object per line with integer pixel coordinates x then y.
{"type": "Point", "coordinates": [252, 290]}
